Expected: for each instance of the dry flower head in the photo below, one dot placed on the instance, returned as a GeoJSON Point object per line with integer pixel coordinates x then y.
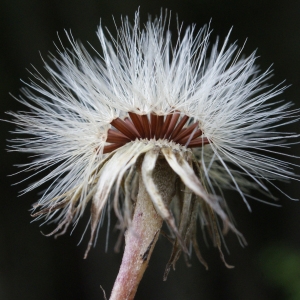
{"type": "Point", "coordinates": [98, 124]}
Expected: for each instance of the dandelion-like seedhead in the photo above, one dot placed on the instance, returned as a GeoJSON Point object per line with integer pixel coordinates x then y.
{"type": "Point", "coordinates": [99, 125]}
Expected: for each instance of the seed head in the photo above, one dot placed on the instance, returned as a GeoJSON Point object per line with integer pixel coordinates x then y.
{"type": "Point", "coordinates": [205, 110]}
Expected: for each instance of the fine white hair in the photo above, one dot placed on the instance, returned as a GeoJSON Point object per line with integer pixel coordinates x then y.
{"type": "Point", "coordinates": [145, 70]}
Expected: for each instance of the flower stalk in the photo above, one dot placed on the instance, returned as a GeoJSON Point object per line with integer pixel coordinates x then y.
{"type": "Point", "coordinates": [143, 232]}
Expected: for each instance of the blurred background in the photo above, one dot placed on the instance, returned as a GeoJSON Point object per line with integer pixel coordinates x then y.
{"type": "Point", "coordinates": [34, 267]}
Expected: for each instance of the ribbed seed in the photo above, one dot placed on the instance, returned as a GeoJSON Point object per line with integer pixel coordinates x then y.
{"type": "Point", "coordinates": [157, 127]}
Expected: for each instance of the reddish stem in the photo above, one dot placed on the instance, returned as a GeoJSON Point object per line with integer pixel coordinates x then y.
{"type": "Point", "coordinates": [143, 233]}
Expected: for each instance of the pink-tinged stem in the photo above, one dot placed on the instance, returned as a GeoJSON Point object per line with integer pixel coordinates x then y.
{"type": "Point", "coordinates": [142, 234]}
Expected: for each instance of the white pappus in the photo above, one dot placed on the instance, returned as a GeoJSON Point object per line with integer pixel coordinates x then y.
{"type": "Point", "coordinates": [203, 108]}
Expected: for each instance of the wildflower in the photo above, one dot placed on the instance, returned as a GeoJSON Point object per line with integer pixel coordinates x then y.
{"type": "Point", "coordinates": [156, 130]}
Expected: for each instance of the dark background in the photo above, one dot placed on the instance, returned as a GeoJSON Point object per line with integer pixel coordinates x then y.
{"type": "Point", "coordinates": [35, 267]}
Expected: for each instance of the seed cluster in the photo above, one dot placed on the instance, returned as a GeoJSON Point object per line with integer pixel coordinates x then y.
{"type": "Point", "coordinates": [156, 127]}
